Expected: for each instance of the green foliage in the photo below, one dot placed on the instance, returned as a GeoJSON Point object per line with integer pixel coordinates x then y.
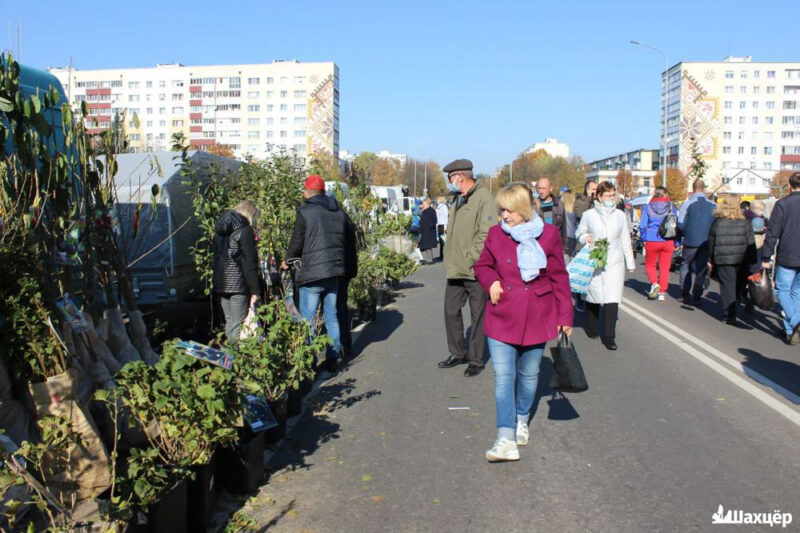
{"type": "Point", "coordinates": [278, 355]}
{"type": "Point", "coordinates": [599, 253]}
{"type": "Point", "coordinates": [699, 166]}
{"type": "Point", "coordinates": [391, 225]}
{"type": "Point", "coordinates": [394, 266]}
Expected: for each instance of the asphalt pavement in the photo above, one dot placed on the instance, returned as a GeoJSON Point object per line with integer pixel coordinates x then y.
{"type": "Point", "coordinates": [689, 414]}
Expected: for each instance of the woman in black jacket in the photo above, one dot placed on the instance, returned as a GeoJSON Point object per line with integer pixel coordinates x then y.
{"type": "Point", "coordinates": [236, 279]}
{"type": "Point", "coordinates": [428, 239]}
{"type": "Point", "coordinates": [731, 251]}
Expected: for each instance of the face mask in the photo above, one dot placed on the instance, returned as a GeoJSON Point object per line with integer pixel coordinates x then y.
{"type": "Point", "coordinates": [609, 203]}
{"type": "Point", "coordinates": [452, 187]}
{"type": "Point", "coordinates": [535, 194]}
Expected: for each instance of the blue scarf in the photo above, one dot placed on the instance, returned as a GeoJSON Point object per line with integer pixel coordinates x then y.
{"type": "Point", "coordinates": [530, 256]}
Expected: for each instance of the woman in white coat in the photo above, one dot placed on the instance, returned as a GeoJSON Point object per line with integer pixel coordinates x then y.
{"type": "Point", "coordinates": [605, 221]}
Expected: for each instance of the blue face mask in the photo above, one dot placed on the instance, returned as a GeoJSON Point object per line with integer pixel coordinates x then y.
{"type": "Point", "coordinates": [453, 188]}
{"type": "Point", "coordinates": [609, 203]}
{"type": "Point", "coordinates": [535, 194]}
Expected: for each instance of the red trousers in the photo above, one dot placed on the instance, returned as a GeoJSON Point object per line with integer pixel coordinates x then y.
{"type": "Point", "coordinates": [658, 253]}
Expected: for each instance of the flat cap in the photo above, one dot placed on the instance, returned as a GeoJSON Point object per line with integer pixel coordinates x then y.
{"type": "Point", "coordinates": [458, 164]}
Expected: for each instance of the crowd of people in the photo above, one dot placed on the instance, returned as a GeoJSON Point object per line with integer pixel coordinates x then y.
{"type": "Point", "coordinates": [506, 257]}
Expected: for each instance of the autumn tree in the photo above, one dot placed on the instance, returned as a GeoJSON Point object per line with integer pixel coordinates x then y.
{"type": "Point", "coordinates": [386, 172]}
{"type": "Point", "coordinates": [779, 185]}
{"type": "Point", "coordinates": [222, 150]}
{"type": "Point", "coordinates": [532, 166]}
{"type": "Point", "coordinates": [365, 162]}
{"type": "Point", "coordinates": [627, 183]}
{"type": "Point", "coordinates": [325, 164]}
{"type": "Point", "coordinates": [677, 184]}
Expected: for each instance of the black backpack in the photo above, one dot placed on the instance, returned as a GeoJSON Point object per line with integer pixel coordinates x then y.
{"type": "Point", "coordinates": [669, 226]}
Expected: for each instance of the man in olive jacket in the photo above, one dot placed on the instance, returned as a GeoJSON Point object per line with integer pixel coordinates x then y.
{"type": "Point", "coordinates": [472, 214]}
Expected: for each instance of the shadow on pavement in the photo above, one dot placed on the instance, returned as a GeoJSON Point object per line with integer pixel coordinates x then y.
{"type": "Point", "coordinates": [559, 406]}
{"type": "Point", "coordinates": [386, 322]}
{"type": "Point", "coordinates": [782, 373]}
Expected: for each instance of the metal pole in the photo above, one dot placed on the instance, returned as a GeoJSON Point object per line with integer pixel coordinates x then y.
{"type": "Point", "coordinates": [511, 178]}
{"type": "Point", "coordinates": [425, 187]}
{"type": "Point", "coordinates": [415, 178]}
{"type": "Point", "coordinates": [666, 108]}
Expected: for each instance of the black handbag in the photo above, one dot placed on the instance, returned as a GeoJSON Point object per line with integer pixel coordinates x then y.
{"type": "Point", "coordinates": [568, 373]}
{"type": "Point", "coordinates": [760, 289]}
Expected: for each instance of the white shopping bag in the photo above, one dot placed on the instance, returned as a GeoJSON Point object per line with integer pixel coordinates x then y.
{"type": "Point", "coordinates": [250, 324]}
{"type": "Point", "coordinates": [580, 271]}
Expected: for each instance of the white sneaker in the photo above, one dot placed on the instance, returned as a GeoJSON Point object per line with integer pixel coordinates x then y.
{"type": "Point", "coordinates": [503, 450]}
{"type": "Point", "coordinates": [661, 297]}
{"type": "Point", "coordinates": [654, 290]}
{"type": "Point", "coordinates": [522, 434]}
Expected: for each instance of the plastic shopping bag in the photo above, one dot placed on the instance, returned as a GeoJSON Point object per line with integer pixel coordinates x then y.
{"type": "Point", "coordinates": [580, 271]}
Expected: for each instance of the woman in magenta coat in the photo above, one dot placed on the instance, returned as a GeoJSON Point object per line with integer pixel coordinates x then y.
{"type": "Point", "coordinates": [522, 269]}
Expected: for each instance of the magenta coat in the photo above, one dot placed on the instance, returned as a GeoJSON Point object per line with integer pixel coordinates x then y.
{"type": "Point", "coordinates": [527, 313]}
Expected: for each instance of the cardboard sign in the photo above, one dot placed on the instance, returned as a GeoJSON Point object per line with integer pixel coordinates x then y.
{"type": "Point", "coordinates": [257, 414]}
{"type": "Point", "coordinates": [207, 353]}
{"type": "Point", "coordinates": [72, 314]}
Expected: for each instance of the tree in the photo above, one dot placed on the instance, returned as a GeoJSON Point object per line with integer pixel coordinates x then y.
{"type": "Point", "coordinates": [779, 185]}
{"type": "Point", "coordinates": [627, 183]}
{"type": "Point", "coordinates": [365, 163]}
{"type": "Point", "coordinates": [325, 164]}
{"type": "Point", "coordinates": [699, 166]}
{"type": "Point", "coordinates": [386, 172]}
{"type": "Point", "coordinates": [532, 166]}
{"type": "Point", "coordinates": [677, 184]}
{"type": "Point", "coordinates": [222, 150]}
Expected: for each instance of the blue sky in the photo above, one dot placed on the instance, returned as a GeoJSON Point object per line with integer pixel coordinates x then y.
{"type": "Point", "coordinates": [435, 79]}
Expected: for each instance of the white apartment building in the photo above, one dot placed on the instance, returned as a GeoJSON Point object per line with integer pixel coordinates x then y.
{"type": "Point", "coordinates": [254, 109]}
{"type": "Point", "coordinates": [402, 159]}
{"type": "Point", "coordinates": [552, 147]}
{"type": "Point", "coordinates": [642, 164]}
{"type": "Point", "coordinates": [744, 116]}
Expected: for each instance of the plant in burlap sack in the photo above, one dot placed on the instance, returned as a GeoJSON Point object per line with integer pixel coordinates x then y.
{"type": "Point", "coordinates": [186, 408]}
{"type": "Point", "coordinates": [41, 467]}
{"type": "Point", "coordinates": [280, 354]}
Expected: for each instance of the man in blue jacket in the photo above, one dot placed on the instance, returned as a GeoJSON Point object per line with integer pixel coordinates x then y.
{"type": "Point", "coordinates": [694, 222]}
{"type": "Point", "coordinates": [784, 230]}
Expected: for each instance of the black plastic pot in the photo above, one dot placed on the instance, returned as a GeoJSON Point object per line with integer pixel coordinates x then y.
{"type": "Point", "coordinates": [305, 386]}
{"type": "Point", "coordinates": [279, 408]}
{"type": "Point", "coordinates": [240, 469]}
{"type": "Point", "coordinates": [167, 515]}
{"type": "Point", "coordinates": [294, 403]}
{"type": "Point", "coordinates": [201, 496]}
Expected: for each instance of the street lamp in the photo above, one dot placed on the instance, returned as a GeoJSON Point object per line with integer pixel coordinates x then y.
{"type": "Point", "coordinates": [666, 107]}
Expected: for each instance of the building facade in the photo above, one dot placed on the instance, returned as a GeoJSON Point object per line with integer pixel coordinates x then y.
{"type": "Point", "coordinates": [743, 115]}
{"type": "Point", "coordinates": [552, 147]}
{"type": "Point", "coordinates": [642, 164]}
{"type": "Point", "coordinates": [255, 110]}
{"type": "Point", "coordinates": [401, 159]}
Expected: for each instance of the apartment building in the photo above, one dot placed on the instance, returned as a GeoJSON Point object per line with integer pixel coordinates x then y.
{"type": "Point", "coordinates": [552, 147]}
{"type": "Point", "coordinates": [642, 164]}
{"type": "Point", "coordinates": [743, 115]}
{"type": "Point", "coordinates": [255, 110]}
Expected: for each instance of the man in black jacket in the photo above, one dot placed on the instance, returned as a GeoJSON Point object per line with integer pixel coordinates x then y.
{"type": "Point", "coordinates": [784, 230]}
{"type": "Point", "coordinates": [350, 271]}
{"type": "Point", "coordinates": [549, 207]}
{"type": "Point", "coordinates": [235, 280]}
{"type": "Point", "coordinates": [318, 241]}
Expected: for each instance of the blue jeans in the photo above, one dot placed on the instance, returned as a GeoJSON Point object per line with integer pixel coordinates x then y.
{"type": "Point", "coordinates": [516, 375]}
{"type": "Point", "coordinates": [787, 288]}
{"type": "Point", "coordinates": [310, 296]}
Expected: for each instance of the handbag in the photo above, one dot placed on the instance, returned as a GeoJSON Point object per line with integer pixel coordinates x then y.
{"type": "Point", "coordinates": [759, 287]}
{"type": "Point", "coordinates": [580, 270]}
{"type": "Point", "coordinates": [568, 373]}
{"type": "Point", "coordinates": [668, 229]}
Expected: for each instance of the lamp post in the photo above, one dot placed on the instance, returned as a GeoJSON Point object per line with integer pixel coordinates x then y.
{"type": "Point", "coordinates": [666, 107]}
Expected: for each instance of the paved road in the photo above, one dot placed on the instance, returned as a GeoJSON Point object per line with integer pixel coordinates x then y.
{"type": "Point", "coordinates": [659, 441]}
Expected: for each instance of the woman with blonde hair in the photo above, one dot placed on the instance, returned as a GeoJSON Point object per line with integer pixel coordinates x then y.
{"type": "Point", "coordinates": [570, 222]}
{"type": "Point", "coordinates": [236, 274]}
{"type": "Point", "coordinates": [522, 269]}
{"type": "Point", "coordinates": [731, 251]}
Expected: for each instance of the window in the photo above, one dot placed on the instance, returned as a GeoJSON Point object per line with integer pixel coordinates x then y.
{"type": "Point", "coordinates": [769, 120]}
{"type": "Point", "coordinates": [757, 74]}
{"type": "Point", "coordinates": [283, 94]}
{"type": "Point", "coordinates": [299, 80]}
{"type": "Point", "coordinates": [767, 165]}
{"type": "Point", "coordinates": [770, 105]}
{"type": "Point", "coordinates": [756, 89]}
{"type": "Point", "coordinates": [177, 123]}
{"type": "Point", "coordinates": [743, 89]}
{"type": "Point", "coordinates": [270, 81]}
{"type": "Point", "coordinates": [771, 89]}
{"type": "Point", "coordinates": [284, 79]}
{"type": "Point", "coordinates": [283, 133]}
{"type": "Point", "coordinates": [298, 147]}
{"type": "Point", "coordinates": [741, 120]}
{"type": "Point", "coordinates": [254, 108]}
{"type": "Point", "coordinates": [162, 83]}
{"type": "Point", "coordinates": [768, 136]}
{"type": "Point", "coordinates": [299, 107]}
{"type": "Point", "coordinates": [133, 85]}
{"type": "Point", "coordinates": [270, 120]}
{"type": "Point", "coordinates": [743, 74]}
{"type": "Point", "coordinates": [728, 104]}
{"type": "Point", "coordinates": [729, 74]}
{"type": "Point", "coordinates": [162, 110]}
{"type": "Point", "coordinates": [299, 94]}
{"type": "Point", "coordinates": [740, 135]}
{"type": "Point", "coordinates": [729, 89]}
{"type": "Point", "coordinates": [755, 120]}
{"type": "Point", "coordinates": [148, 97]}
{"type": "Point", "coordinates": [284, 107]}
{"type": "Point", "coordinates": [235, 82]}
{"type": "Point", "coordinates": [770, 74]}
{"type": "Point", "coordinates": [270, 94]}
{"type": "Point", "coordinates": [753, 150]}
{"type": "Point", "coordinates": [270, 107]}
{"type": "Point", "coordinates": [133, 97]}
{"type": "Point", "coordinates": [739, 181]}
{"type": "Point", "coordinates": [726, 135]}
{"type": "Point", "coordinates": [162, 97]}
{"type": "Point", "coordinates": [177, 96]}
{"type": "Point", "coordinates": [726, 164]}
{"type": "Point", "coordinates": [149, 123]}
{"type": "Point", "coordinates": [162, 123]}
{"type": "Point", "coordinates": [135, 137]}
{"type": "Point", "coordinates": [793, 74]}
{"type": "Point", "coordinates": [755, 105]}
{"type": "Point", "coordinates": [789, 104]}
{"type": "Point", "coordinates": [742, 104]}
{"type": "Point", "coordinates": [149, 136]}
{"type": "Point", "coordinates": [726, 120]}
{"type": "Point", "coordinates": [269, 134]}
{"type": "Point", "coordinates": [177, 111]}
{"type": "Point", "coordinates": [252, 135]}
{"type": "Point", "coordinates": [284, 120]}
{"type": "Point", "coordinates": [726, 149]}
{"type": "Point", "coordinates": [177, 83]}
{"type": "Point", "coordinates": [768, 150]}
{"type": "Point", "coordinates": [253, 81]}
{"type": "Point", "coordinates": [253, 94]}
{"type": "Point", "coordinates": [754, 136]}
{"type": "Point", "coordinates": [116, 83]}
{"type": "Point", "coordinates": [740, 150]}
{"type": "Point", "coordinates": [299, 133]}
{"type": "Point", "coordinates": [299, 121]}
